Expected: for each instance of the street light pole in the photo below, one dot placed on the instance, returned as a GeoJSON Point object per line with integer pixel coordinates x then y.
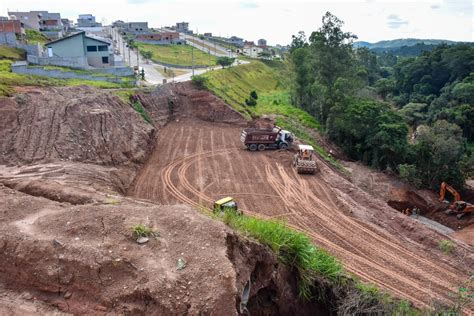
{"type": "Point", "coordinates": [192, 56]}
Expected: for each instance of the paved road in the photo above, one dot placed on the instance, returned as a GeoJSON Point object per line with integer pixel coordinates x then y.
{"type": "Point", "coordinates": [204, 45]}
{"type": "Point", "coordinates": [152, 75]}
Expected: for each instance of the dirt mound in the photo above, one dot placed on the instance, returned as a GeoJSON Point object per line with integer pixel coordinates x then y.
{"type": "Point", "coordinates": [82, 259]}
{"type": "Point", "coordinates": [183, 100]}
{"type": "Point", "coordinates": [76, 124]}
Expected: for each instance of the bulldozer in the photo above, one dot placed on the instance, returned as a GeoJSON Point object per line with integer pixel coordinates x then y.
{"type": "Point", "coordinates": [303, 160]}
{"type": "Point", "coordinates": [457, 206]}
{"type": "Point", "coordinates": [226, 204]}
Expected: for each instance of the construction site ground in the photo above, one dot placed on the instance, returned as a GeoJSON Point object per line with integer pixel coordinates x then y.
{"type": "Point", "coordinates": [192, 156]}
{"type": "Point", "coordinates": [206, 161]}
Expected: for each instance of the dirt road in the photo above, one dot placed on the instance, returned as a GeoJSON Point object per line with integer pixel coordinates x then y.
{"type": "Point", "coordinates": [197, 162]}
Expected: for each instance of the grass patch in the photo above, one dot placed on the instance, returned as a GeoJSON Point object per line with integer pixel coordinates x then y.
{"type": "Point", "coordinates": [141, 230]}
{"type": "Point", "coordinates": [5, 65]}
{"type": "Point", "coordinates": [446, 246]}
{"type": "Point", "coordinates": [5, 91]}
{"type": "Point", "coordinates": [180, 55]}
{"type": "Point", "coordinates": [13, 79]}
{"type": "Point", "coordinates": [141, 110]}
{"type": "Point", "coordinates": [205, 45]}
{"type": "Point", "coordinates": [7, 52]}
{"type": "Point", "coordinates": [35, 37]}
{"type": "Point", "coordinates": [292, 248]}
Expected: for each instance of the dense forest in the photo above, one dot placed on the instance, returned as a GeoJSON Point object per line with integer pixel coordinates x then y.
{"type": "Point", "coordinates": [414, 116]}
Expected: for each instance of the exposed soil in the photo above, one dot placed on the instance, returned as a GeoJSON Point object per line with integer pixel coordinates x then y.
{"type": "Point", "coordinates": [66, 236]}
{"type": "Point", "coordinates": [206, 161]}
{"type": "Point", "coordinates": [401, 196]}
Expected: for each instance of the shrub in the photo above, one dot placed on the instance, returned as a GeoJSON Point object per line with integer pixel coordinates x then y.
{"type": "Point", "coordinates": [141, 230]}
{"type": "Point", "coordinates": [200, 81]}
{"type": "Point", "coordinates": [250, 102]}
{"type": "Point", "coordinates": [446, 246]}
{"type": "Point", "coordinates": [254, 95]}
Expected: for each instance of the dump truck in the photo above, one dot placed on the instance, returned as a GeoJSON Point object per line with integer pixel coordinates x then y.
{"type": "Point", "coordinates": [303, 160]}
{"type": "Point", "coordinates": [260, 139]}
{"type": "Point", "coordinates": [226, 204]}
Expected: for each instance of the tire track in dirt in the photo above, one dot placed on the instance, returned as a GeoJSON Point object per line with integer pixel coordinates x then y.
{"type": "Point", "coordinates": [371, 248]}
{"type": "Point", "coordinates": [308, 204]}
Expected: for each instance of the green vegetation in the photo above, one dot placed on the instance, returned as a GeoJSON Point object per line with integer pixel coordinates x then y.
{"type": "Point", "coordinates": [5, 65]}
{"type": "Point", "coordinates": [141, 230]}
{"type": "Point", "coordinates": [9, 80]}
{"type": "Point", "coordinates": [234, 84]}
{"type": "Point", "coordinates": [430, 96]}
{"type": "Point", "coordinates": [180, 55]}
{"type": "Point", "coordinates": [225, 61]}
{"type": "Point", "coordinates": [141, 110]}
{"type": "Point", "coordinates": [35, 37]}
{"type": "Point", "coordinates": [268, 80]}
{"type": "Point", "coordinates": [7, 52]}
{"type": "Point", "coordinates": [12, 79]}
{"type": "Point", "coordinates": [446, 246]}
{"type": "Point", "coordinates": [292, 248]}
{"type": "Point", "coordinates": [297, 251]}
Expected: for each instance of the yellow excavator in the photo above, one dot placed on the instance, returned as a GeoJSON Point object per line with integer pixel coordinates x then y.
{"type": "Point", "coordinates": [457, 206]}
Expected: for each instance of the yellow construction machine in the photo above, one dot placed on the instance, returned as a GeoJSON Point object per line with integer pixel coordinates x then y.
{"type": "Point", "coordinates": [226, 204]}
{"type": "Point", "coordinates": [303, 160]}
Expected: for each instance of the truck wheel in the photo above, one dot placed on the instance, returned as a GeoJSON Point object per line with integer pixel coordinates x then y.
{"type": "Point", "coordinates": [261, 147]}
{"type": "Point", "coordinates": [283, 146]}
{"type": "Point", "coordinates": [253, 147]}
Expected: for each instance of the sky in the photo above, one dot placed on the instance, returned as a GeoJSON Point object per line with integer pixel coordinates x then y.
{"type": "Point", "coordinates": [276, 21]}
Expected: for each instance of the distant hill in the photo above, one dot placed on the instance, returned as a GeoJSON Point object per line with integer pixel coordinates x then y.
{"type": "Point", "coordinates": [405, 47]}
{"type": "Point", "coordinates": [402, 42]}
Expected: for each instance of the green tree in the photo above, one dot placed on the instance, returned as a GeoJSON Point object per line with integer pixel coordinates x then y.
{"type": "Point", "coordinates": [369, 131]}
{"type": "Point", "coordinates": [225, 61]}
{"type": "Point", "coordinates": [414, 113]}
{"type": "Point", "coordinates": [437, 153]}
{"type": "Point", "coordinates": [332, 58]}
{"type": "Point", "coordinates": [147, 54]}
{"type": "Point", "coordinates": [298, 41]}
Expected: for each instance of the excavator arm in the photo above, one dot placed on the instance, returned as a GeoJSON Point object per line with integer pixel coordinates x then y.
{"type": "Point", "coordinates": [446, 187]}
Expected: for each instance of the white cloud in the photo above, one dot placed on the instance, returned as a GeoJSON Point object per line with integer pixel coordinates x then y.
{"type": "Point", "coordinates": [395, 22]}
{"type": "Point", "coordinates": [277, 21]}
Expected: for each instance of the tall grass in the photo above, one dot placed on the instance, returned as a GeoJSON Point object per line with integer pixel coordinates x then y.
{"type": "Point", "coordinates": [7, 52]}
{"type": "Point", "coordinates": [141, 110]}
{"type": "Point", "coordinates": [293, 248]}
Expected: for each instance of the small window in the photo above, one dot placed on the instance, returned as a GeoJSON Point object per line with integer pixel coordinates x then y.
{"type": "Point", "coordinates": [103, 48]}
{"type": "Point", "coordinates": [105, 60]}
{"type": "Point", "coordinates": [91, 48]}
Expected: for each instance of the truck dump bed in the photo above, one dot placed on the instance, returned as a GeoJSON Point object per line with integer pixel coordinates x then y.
{"type": "Point", "coordinates": [260, 136]}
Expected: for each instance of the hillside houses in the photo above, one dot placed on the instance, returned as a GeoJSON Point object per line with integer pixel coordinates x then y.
{"type": "Point", "coordinates": [160, 38]}
{"type": "Point", "coordinates": [50, 24]}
